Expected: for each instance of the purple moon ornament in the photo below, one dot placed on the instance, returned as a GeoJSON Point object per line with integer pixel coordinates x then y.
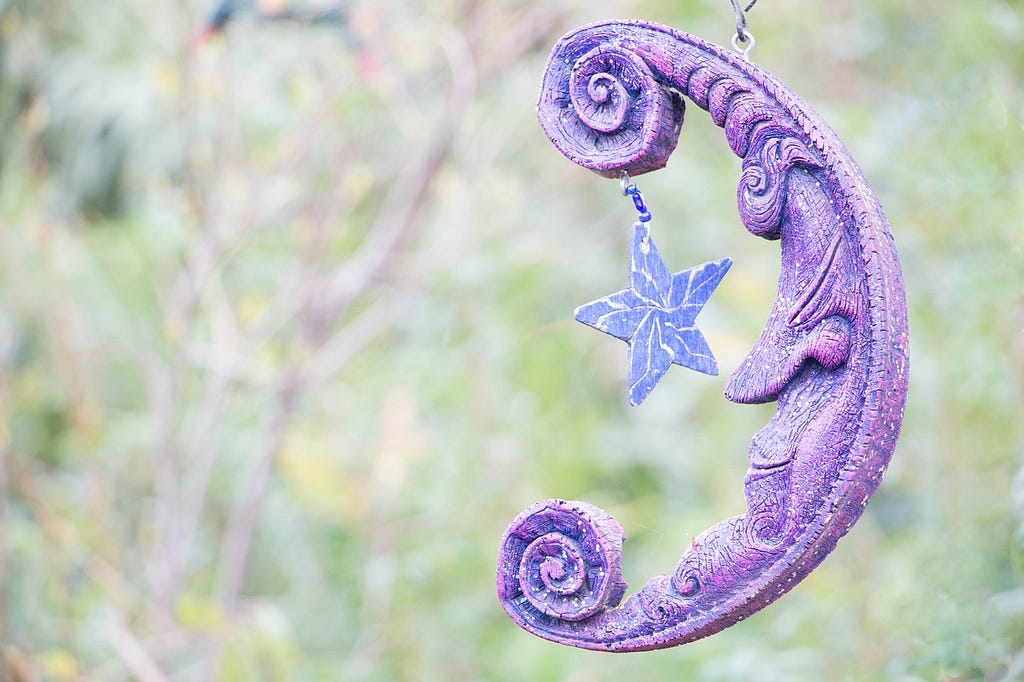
{"type": "Point", "coordinates": [833, 354]}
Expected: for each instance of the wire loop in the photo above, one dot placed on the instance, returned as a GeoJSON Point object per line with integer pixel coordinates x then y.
{"type": "Point", "coordinates": [738, 44]}
{"type": "Point", "coordinates": [743, 36]}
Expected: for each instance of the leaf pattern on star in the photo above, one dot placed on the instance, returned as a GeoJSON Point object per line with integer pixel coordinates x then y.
{"type": "Point", "coordinates": [690, 349]}
{"type": "Point", "coordinates": [619, 314]}
{"type": "Point", "coordinates": [649, 359]}
{"type": "Point", "coordinates": [649, 277]}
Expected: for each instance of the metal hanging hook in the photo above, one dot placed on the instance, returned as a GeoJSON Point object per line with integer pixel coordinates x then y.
{"type": "Point", "coordinates": [743, 41]}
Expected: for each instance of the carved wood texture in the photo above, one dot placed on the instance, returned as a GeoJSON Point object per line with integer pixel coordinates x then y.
{"type": "Point", "coordinates": [833, 353]}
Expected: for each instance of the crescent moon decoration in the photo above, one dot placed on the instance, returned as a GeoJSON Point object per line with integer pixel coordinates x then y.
{"type": "Point", "coordinates": [833, 353]}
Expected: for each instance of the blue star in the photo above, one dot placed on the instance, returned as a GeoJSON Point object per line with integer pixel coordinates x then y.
{"type": "Point", "coordinates": [656, 314]}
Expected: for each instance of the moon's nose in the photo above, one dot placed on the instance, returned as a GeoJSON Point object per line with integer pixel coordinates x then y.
{"type": "Point", "coordinates": [771, 366]}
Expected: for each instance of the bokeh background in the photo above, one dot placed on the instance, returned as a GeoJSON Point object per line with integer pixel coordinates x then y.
{"type": "Point", "coordinates": [286, 340]}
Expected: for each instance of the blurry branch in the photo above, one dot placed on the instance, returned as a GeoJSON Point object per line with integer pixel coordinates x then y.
{"type": "Point", "coordinates": [66, 539]}
{"type": "Point", "coordinates": [336, 352]}
{"type": "Point", "coordinates": [1015, 669]}
{"type": "Point", "coordinates": [243, 519]}
{"type": "Point", "coordinates": [236, 544]}
{"type": "Point", "coordinates": [4, 551]}
{"type": "Point", "coordinates": [403, 208]}
{"type": "Point", "coordinates": [399, 218]}
{"type": "Point", "coordinates": [401, 215]}
{"type": "Point", "coordinates": [5, 458]}
{"type": "Point", "coordinates": [318, 321]}
{"type": "Point", "coordinates": [321, 319]}
{"type": "Point", "coordinates": [535, 30]}
{"type": "Point", "coordinates": [199, 457]}
{"type": "Point", "coordinates": [183, 469]}
{"type": "Point", "coordinates": [293, 299]}
{"type": "Point", "coordinates": [409, 192]}
{"type": "Point", "coordinates": [134, 655]}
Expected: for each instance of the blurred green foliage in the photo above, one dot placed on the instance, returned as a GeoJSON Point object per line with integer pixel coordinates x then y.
{"type": "Point", "coordinates": [286, 342]}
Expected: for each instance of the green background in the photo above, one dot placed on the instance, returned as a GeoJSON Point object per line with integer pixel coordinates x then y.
{"type": "Point", "coordinates": [286, 340]}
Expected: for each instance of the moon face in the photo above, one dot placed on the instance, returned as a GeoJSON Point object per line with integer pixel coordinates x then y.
{"type": "Point", "coordinates": [832, 355]}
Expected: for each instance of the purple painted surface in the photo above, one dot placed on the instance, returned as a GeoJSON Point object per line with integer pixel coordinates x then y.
{"type": "Point", "coordinates": [832, 355]}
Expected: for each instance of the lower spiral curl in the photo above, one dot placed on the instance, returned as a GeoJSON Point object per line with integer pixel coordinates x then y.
{"type": "Point", "coordinates": [602, 108]}
{"type": "Point", "coordinates": [560, 561]}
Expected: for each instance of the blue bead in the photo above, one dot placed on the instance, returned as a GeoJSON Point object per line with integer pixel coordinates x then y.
{"type": "Point", "coordinates": [645, 216]}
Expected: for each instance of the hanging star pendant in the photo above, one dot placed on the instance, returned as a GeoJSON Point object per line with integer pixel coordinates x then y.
{"type": "Point", "coordinates": [656, 314]}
